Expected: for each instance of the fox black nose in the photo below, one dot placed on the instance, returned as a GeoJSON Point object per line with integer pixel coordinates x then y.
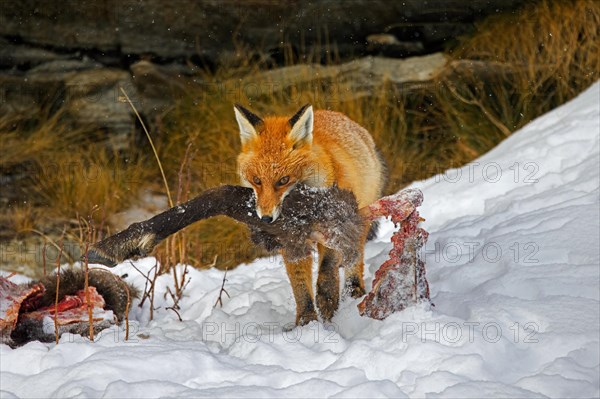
{"type": "Point", "coordinates": [267, 219]}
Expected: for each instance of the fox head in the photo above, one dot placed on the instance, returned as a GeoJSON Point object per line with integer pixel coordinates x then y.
{"type": "Point", "coordinates": [276, 155]}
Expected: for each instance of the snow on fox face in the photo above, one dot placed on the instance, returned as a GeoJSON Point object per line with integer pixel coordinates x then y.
{"type": "Point", "coordinates": [276, 155]}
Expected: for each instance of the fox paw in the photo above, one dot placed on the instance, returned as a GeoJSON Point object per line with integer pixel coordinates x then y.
{"type": "Point", "coordinates": [305, 313]}
{"type": "Point", "coordinates": [306, 318]}
{"type": "Point", "coordinates": [327, 303]}
{"type": "Point", "coordinates": [354, 288]}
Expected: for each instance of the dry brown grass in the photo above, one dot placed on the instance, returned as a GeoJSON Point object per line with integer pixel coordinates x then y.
{"type": "Point", "coordinates": [23, 218]}
{"type": "Point", "coordinates": [59, 168]}
{"type": "Point", "coordinates": [29, 138]}
{"type": "Point", "coordinates": [536, 59]}
{"type": "Point", "coordinates": [54, 175]}
{"type": "Point", "coordinates": [88, 178]}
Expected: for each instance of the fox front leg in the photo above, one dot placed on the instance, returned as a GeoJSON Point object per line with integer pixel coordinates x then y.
{"type": "Point", "coordinates": [300, 274]}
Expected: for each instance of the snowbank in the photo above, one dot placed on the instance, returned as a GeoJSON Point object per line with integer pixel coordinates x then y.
{"type": "Point", "coordinates": [513, 264]}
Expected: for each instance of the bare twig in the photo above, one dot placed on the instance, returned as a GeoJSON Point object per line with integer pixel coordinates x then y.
{"type": "Point", "coordinates": [57, 287]}
{"type": "Point", "coordinates": [185, 284]}
{"type": "Point", "coordinates": [175, 247]}
{"type": "Point", "coordinates": [87, 294]}
{"type": "Point", "coordinates": [176, 312]}
{"type": "Point", "coordinates": [143, 275]}
{"type": "Point", "coordinates": [162, 172]}
{"type": "Point", "coordinates": [223, 290]}
{"type": "Point", "coordinates": [148, 287]}
{"type": "Point", "coordinates": [44, 257]}
{"type": "Point", "coordinates": [98, 232]}
{"type": "Point", "coordinates": [173, 297]}
{"type": "Point", "coordinates": [152, 291]}
{"type": "Point", "coordinates": [88, 299]}
{"type": "Point", "coordinates": [180, 186]}
{"type": "Point", "coordinates": [127, 311]}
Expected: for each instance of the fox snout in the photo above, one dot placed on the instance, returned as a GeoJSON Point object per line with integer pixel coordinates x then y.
{"type": "Point", "coordinates": [266, 213]}
{"type": "Point", "coordinates": [268, 204]}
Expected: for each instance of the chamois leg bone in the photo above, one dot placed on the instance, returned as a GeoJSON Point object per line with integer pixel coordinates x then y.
{"type": "Point", "coordinates": [140, 238]}
{"type": "Point", "coordinates": [331, 211]}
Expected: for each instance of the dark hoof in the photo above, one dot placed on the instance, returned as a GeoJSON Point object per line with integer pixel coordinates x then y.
{"type": "Point", "coordinates": [95, 257]}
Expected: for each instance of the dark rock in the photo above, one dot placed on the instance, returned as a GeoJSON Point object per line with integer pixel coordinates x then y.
{"type": "Point", "coordinates": [22, 56]}
{"type": "Point", "coordinates": [89, 95]}
{"type": "Point", "coordinates": [389, 45]}
{"type": "Point", "coordinates": [95, 99]}
{"type": "Point", "coordinates": [353, 79]}
{"type": "Point", "coordinates": [210, 31]}
{"type": "Point", "coordinates": [61, 68]}
{"type": "Point", "coordinates": [157, 86]}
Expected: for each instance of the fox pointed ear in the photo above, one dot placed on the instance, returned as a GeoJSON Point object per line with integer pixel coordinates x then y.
{"type": "Point", "coordinates": [302, 126]}
{"type": "Point", "coordinates": [247, 121]}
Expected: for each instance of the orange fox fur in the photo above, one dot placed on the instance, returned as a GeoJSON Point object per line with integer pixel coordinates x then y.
{"type": "Point", "coordinates": [319, 149]}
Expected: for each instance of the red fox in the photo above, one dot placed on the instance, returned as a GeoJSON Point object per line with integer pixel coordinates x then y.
{"type": "Point", "coordinates": [319, 149]}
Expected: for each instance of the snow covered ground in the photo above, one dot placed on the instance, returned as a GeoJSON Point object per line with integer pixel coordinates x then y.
{"type": "Point", "coordinates": [513, 264]}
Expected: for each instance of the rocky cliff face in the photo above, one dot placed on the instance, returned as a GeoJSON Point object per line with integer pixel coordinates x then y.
{"type": "Point", "coordinates": [81, 52]}
{"type": "Point", "coordinates": [117, 32]}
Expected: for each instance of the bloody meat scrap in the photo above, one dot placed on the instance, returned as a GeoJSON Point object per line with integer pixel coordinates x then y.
{"type": "Point", "coordinates": [27, 310]}
{"type": "Point", "coordinates": [400, 281]}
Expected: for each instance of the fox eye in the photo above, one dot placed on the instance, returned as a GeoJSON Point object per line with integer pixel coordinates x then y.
{"type": "Point", "coordinates": [283, 181]}
{"type": "Point", "coordinates": [256, 180]}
